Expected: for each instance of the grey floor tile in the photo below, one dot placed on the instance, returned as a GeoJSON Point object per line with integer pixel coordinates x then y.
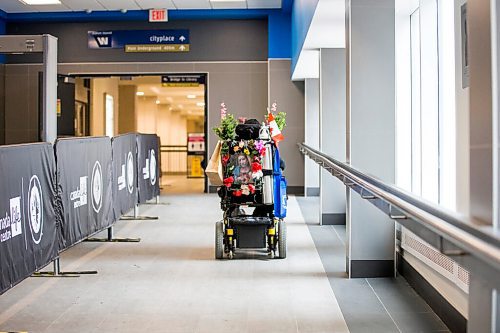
{"type": "Point", "coordinates": [368, 305]}
{"type": "Point", "coordinates": [170, 281]}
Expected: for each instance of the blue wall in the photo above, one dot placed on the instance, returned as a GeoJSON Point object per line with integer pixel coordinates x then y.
{"type": "Point", "coordinates": [302, 15]}
{"type": "Point", "coordinates": [279, 36]}
{"type": "Point", "coordinates": [279, 21]}
{"type": "Point", "coordinates": [2, 32]}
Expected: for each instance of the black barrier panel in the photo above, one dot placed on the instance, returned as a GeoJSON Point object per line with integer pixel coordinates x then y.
{"type": "Point", "coordinates": [124, 173]}
{"type": "Point", "coordinates": [148, 146]}
{"type": "Point", "coordinates": [27, 211]}
{"type": "Point", "coordinates": [84, 180]}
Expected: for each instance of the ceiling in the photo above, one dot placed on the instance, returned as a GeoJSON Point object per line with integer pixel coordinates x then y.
{"type": "Point", "coordinates": [327, 30]}
{"type": "Point", "coordinates": [175, 98]}
{"type": "Point", "coordinates": [16, 6]}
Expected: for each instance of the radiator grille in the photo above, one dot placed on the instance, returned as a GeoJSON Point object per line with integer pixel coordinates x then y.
{"type": "Point", "coordinates": [435, 259]}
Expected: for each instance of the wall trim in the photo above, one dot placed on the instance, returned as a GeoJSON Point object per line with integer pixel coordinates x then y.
{"type": "Point", "coordinates": [333, 219]}
{"type": "Point", "coordinates": [312, 191]}
{"type": "Point", "coordinates": [371, 268]}
{"type": "Point", "coordinates": [448, 314]}
{"type": "Point", "coordinates": [295, 190]}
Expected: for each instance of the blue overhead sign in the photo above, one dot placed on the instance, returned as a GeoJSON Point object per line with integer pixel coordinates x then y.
{"type": "Point", "coordinates": [140, 40]}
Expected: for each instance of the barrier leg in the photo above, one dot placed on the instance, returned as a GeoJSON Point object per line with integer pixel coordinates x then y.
{"type": "Point", "coordinates": [157, 202]}
{"type": "Point", "coordinates": [58, 273]}
{"type": "Point", "coordinates": [137, 216]}
{"type": "Point", "coordinates": [110, 238]}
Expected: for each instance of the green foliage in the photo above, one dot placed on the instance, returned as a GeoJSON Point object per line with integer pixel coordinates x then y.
{"type": "Point", "coordinates": [227, 128]}
{"type": "Point", "coordinates": [280, 120]}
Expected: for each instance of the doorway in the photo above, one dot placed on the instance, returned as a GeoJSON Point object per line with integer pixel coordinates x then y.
{"type": "Point", "coordinates": [172, 106]}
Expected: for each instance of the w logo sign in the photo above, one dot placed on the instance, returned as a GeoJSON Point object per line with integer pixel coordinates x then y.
{"type": "Point", "coordinates": [103, 41]}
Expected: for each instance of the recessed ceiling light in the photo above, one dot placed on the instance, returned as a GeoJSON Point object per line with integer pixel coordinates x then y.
{"type": "Point", "coordinates": [157, 101]}
{"type": "Point", "coordinates": [140, 93]}
{"type": "Point", "coordinates": [200, 104]}
{"type": "Point", "coordinates": [41, 2]}
{"type": "Point", "coordinates": [191, 96]}
{"type": "Point", "coordinates": [180, 106]}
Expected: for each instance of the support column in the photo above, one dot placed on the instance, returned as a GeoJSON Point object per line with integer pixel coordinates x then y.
{"type": "Point", "coordinates": [311, 123]}
{"type": "Point", "coordinates": [332, 133]}
{"type": "Point", "coordinates": [371, 129]}
{"type": "Point", "coordinates": [482, 18]}
{"type": "Point", "coordinates": [484, 306]}
{"type": "Point", "coordinates": [480, 115]}
{"type": "Point", "coordinates": [495, 64]}
{"type": "Point", "coordinates": [49, 116]}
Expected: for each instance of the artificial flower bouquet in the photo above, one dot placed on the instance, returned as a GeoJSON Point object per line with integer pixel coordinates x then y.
{"type": "Point", "coordinates": [241, 159]}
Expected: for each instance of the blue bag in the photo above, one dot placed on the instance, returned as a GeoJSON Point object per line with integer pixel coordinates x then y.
{"type": "Point", "coordinates": [280, 201]}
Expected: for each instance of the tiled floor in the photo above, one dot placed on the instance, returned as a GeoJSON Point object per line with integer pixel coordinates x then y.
{"type": "Point", "coordinates": [369, 305]}
{"type": "Point", "coordinates": [170, 282]}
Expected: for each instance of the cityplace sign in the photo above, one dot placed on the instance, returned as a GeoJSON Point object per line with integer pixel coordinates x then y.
{"type": "Point", "coordinates": [134, 41]}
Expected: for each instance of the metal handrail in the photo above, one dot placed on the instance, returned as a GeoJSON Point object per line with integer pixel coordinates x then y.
{"type": "Point", "coordinates": [474, 237]}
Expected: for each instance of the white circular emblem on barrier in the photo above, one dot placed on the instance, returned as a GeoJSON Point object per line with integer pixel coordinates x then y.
{"type": "Point", "coordinates": [130, 172]}
{"type": "Point", "coordinates": [152, 167]}
{"type": "Point", "coordinates": [35, 213]}
{"type": "Point", "coordinates": [96, 187]}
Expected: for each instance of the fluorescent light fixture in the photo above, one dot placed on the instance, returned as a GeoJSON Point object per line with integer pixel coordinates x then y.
{"type": "Point", "coordinates": [191, 96]}
{"type": "Point", "coordinates": [200, 104]}
{"type": "Point", "coordinates": [140, 93]}
{"type": "Point", "coordinates": [41, 2]}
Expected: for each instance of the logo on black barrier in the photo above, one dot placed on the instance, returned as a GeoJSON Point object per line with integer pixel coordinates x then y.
{"type": "Point", "coordinates": [35, 211]}
{"type": "Point", "coordinates": [130, 172]}
{"type": "Point", "coordinates": [80, 195]}
{"type": "Point", "coordinates": [15, 216]}
{"type": "Point", "coordinates": [11, 224]}
{"type": "Point", "coordinates": [152, 167]}
{"type": "Point", "coordinates": [97, 187]}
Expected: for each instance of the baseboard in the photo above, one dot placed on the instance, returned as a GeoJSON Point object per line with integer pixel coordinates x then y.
{"type": "Point", "coordinates": [312, 191]}
{"type": "Point", "coordinates": [295, 190]}
{"type": "Point", "coordinates": [371, 268]}
{"type": "Point", "coordinates": [448, 314]}
{"type": "Point", "coordinates": [333, 219]}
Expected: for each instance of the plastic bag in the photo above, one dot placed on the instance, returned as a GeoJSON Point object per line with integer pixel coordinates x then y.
{"type": "Point", "coordinates": [214, 167]}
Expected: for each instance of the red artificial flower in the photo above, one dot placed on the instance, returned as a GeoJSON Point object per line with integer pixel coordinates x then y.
{"type": "Point", "coordinates": [256, 167]}
{"type": "Point", "coordinates": [237, 193]}
{"type": "Point", "coordinates": [263, 152]}
{"type": "Point", "coordinates": [228, 181]}
{"type": "Point", "coordinates": [251, 187]}
{"type": "Point", "coordinates": [225, 159]}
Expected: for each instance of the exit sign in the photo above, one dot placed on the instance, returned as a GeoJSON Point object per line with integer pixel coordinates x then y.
{"type": "Point", "coordinates": [158, 15]}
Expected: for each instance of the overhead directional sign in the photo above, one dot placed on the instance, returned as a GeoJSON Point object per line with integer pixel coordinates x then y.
{"type": "Point", "coordinates": [182, 80]}
{"type": "Point", "coordinates": [141, 40]}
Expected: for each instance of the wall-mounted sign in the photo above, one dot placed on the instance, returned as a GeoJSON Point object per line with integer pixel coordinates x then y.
{"type": "Point", "coordinates": [158, 15]}
{"type": "Point", "coordinates": [182, 80]}
{"type": "Point", "coordinates": [140, 40]}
